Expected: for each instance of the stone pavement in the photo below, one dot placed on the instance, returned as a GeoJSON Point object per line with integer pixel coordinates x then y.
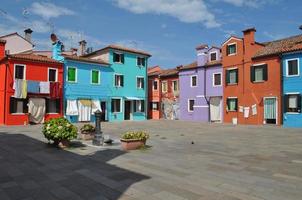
{"type": "Point", "coordinates": [185, 160]}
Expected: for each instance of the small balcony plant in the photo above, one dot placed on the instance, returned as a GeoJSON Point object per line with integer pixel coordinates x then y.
{"type": "Point", "coordinates": [87, 132]}
{"type": "Point", "coordinates": [60, 131]}
{"type": "Point", "coordinates": [134, 139]}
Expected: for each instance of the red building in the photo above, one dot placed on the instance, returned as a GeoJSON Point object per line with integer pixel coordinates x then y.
{"type": "Point", "coordinates": [30, 88]}
{"type": "Point", "coordinates": [163, 93]}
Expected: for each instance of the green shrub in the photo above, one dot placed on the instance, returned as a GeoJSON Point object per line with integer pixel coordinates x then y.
{"type": "Point", "coordinates": [87, 128]}
{"type": "Point", "coordinates": [135, 135]}
{"type": "Point", "coordinates": [59, 129]}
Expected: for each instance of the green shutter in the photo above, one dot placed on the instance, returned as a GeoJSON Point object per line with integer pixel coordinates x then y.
{"type": "Point", "coordinates": [237, 75]}
{"type": "Point", "coordinates": [265, 74]}
{"type": "Point", "coordinates": [72, 74]}
{"type": "Point", "coordinates": [95, 77]}
{"type": "Point", "coordinates": [227, 77]}
{"type": "Point", "coordinates": [122, 58]}
{"type": "Point", "coordinates": [122, 80]}
{"type": "Point", "coordinates": [252, 73]}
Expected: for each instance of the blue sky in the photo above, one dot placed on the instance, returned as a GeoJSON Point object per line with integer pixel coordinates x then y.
{"type": "Point", "coordinates": [168, 29]}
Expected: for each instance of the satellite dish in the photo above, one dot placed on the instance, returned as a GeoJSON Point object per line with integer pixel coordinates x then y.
{"type": "Point", "coordinates": [300, 27]}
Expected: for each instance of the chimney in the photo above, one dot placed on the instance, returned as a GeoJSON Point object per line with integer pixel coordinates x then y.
{"type": "Point", "coordinates": [27, 34]}
{"type": "Point", "coordinates": [82, 47]}
{"type": "Point", "coordinates": [249, 36]}
{"type": "Point", "coordinates": [202, 54]}
{"type": "Point", "coordinates": [2, 49]}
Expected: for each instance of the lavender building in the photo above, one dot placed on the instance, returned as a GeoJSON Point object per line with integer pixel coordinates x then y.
{"type": "Point", "coordinates": [201, 87]}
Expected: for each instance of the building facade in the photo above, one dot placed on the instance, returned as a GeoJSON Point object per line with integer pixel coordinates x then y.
{"type": "Point", "coordinates": [154, 93]}
{"type": "Point", "coordinates": [129, 82]}
{"type": "Point", "coordinates": [30, 88]}
{"type": "Point", "coordinates": [201, 87]}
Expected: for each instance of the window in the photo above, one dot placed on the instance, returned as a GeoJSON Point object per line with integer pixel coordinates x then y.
{"type": "Point", "coordinates": [119, 80]}
{"type": "Point", "coordinates": [155, 85]}
{"type": "Point", "coordinates": [52, 75]}
{"type": "Point", "coordinates": [232, 104]}
{"type": "Point", "coordinates": [231, 49]}
{"type": "Point", "coordinates": [193, 81]}
{"type": "Point", "coordinates": [164, 86]}
{"type": "Point", "coordinates": [231, 76]}
{"type": "Point", "coordinates": [95, 76]}
{"type": "Point", "coordinates": [292, 67]}
{"type": "Point", "coordinates": [213, 56]}
{"type": "Point", "coordinates": [154, 105]}
{"type": "Point", "coordinates": [139, 106]}
{"type": "Point", "coordinates": [116, 105]}
{"type": "Point", "coordinates": [259, 73]}
{"type": "Point", "coordinates": [18, 106]}
{"type": "Point", "coordinates": [20, 72]}
{"type": "Point", "coordinates": [175, 86]}
{"type": "Point", "coordinates": [118, 58]}
{"type": "Point", "coordinates": [293, 103]}
{"type": "Point", "coordinates": [217, 79]}
{"type": "Point", "coordinates": [140, 82]}
{"type": "Point", "coordinates": [141, 61]}
{"type": "Point", "coordinates": [53, 105]}
{"type": "Point", "coordinates": [191, 105]}
{"type": "Point", "coordinates": [72, 74]}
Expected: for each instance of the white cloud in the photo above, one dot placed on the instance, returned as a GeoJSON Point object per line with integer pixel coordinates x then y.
{"type": "Point", "coordinates": [188, 11]}
{"type": "Point", "coordinates": [49, 10]}
{"type": "Point", "coordinates": [249, 3]}
{"type": "Point", "coordinates": [273, 36]}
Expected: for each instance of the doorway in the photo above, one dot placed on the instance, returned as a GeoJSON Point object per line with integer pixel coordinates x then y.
{"type": "Point", "coordinates": [270, 110]}
{"type": "Point", "coordinates": [127, 113]}
{"type": "Point", "coordinates": [215, 109]}
{"type": "Point", "coordinates": [104, 111]}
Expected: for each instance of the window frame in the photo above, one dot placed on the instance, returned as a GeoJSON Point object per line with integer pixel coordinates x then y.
{"type": "Point", "coordinates": [157, 104]}
{"type": "Point", "coordinates": [162, 88]}
{"type": "Point", "coordinates": [173, 84]}
{"type": "Point", "coordinates": [264, 67]}
{"type": "Point", "coordinates": [51, 68]}
{"type": "Point", "coordinates": [189, 110]}
{"type": "Point", "coordinates": [121, 85]}
{"type": "Point", "coordinates": [214, 85]}
{"type": "Point", "coordinates": [46, 105]}
{"type": "Point", "coordinates": [143, 64]}
{"type": "Point", "coordinates": [99, 76]}
{"type": "Point", "coordinates": [298, 109]}
{"type": "Point", "coordinates": [24, 71]}
{"type": "Point", "coordinates": [121, 60]}
{"type": "Point", "coordinates": [142, 110]}
{"type": "Point", "coordinates": [153, 81]}
{"type": "Point", "coordinates": [232, 98]}
{"type": "Point", "coordinates": [228, 78]}
{"type": "Point", "coordinates": [191, 81]}
{"type": "Point", "coordinates": [76, 74]}
{"type": "Point", "coordinates": [216, 57]}
{"type": "Point", "coordinates": [121, 105]}
{"type": "Point", "coordinates": [287, 67]}
{"type": "Point", "coordinates": [24, 105]}
{"type": "Point", "coordinates": [231, 54]}
{"type": "Point", "coordinates": [143, 83]}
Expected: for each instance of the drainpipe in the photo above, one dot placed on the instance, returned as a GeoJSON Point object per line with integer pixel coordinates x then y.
{"type": "Point", "coordinates": [281, 90]}
{"type": "Point", "coordinates": [205, 93]}
{"type": "Point", "coordinates": [5, 85]}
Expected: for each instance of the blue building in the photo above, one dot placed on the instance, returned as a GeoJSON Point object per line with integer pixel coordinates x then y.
{"type": "Point", "coordinates": [292, 89]}
{"type": "Point", "coordinates": [129, 82]}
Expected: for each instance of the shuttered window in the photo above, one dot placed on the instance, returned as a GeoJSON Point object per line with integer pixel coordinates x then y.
{"type": "Point", "coordinates": [52, 75]}
{"type": "Point", "coordinates": [259, 73]}
{"type": "Point", "coordinates": [119, 80]}
{"type": "Point", "coordinates": [191, 103]}
{"type": "Point", "coordinates": [118, 58]}
{"type": "Point", "coordinates": [140, 82]}
{"type": "Point", "coordinates": [232, 104]}
{"type": "Point", "coordinates": [231, 76]}
{"type": "Point", "coordinates": [231, 49]}
{"type": "Point", "coordinates": [115, 105]}
{"type": "Point", "coordinates": [71, 74]}
{"type": "Point", "coordinates": [139, 106]}
{"type": "Point", "coordinates": [19, 71]}
{"type": "Point", "coordinates": [155, 85]}
{"type": "Point", "coordinates": [293, 103]}
{"type": "Point", "coordinates": [154, 105]}
{"type": "Point", "coordinates": [18, 106]}
{"type": "Point", "coordinates": [141, 61]}
{"type": "Point", "coordinates": [95, 77]}
{"type": "Point", "coordinates": [292, 67]}
{"type": "Point", "coordinates": [53, 105]}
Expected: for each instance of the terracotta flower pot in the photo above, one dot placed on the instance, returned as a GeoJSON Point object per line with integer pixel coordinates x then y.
{"type": "Point", "coordinates": [132, 144]}
{"type": "Point", "coordinates": [87, 135]}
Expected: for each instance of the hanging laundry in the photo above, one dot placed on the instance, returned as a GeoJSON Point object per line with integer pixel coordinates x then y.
{"type": "Point", "coordinates": [72, 107]}
{"type": "Point", "coordinates": [84, 110]}
{"type": "Point", "coordinates": [54, 90]}
{"type": "Point", "coordinates": [44, 87]}
{"type": "Point", "coordinates": [241, 109]}
{"type": "Point", "coordinates": [254, 109]}
{"type": "Point", "coordinates": [18, 87]}
{"type": "Point", "coordinates": [36, 110]}
{"type": "Point", "coordinates": [33, 87]}
{"type": "Point", "coordinates": [95, 106]}
{"type": "Point", "coordinates": [86, 102]}
{"type": "Point", "coordinates": [246, 112]}
{"type": "Point", "coordinates": [24, 89]}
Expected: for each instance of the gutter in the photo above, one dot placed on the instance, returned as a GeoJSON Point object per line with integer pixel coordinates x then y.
{"type": "Point", "coordinates": [5, 85]}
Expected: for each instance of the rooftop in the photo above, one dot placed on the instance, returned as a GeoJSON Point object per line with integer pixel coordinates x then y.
{"type": "Point", "coordinates": [32, 57]}
{"type": "Point", "coordinates": [83, 59]}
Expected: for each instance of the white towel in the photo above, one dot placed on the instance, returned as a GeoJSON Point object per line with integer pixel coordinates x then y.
{"type": "Point", "coordinates": [84, 112]}
{"type": "Point", "coordinates": [44, 87]}
{"type": "Point", "coordinates": [254, 109]}
{"type": "Point", "coordinates": [18, 85]}
{"type": "Point", "coordinates": [246, 112]}
{"type": "Point", "coordinates": [36, 110]}
{"type": "Point", "coordinates": [72, 107]}
{"type": "Point", "coordinates": [95, 106]}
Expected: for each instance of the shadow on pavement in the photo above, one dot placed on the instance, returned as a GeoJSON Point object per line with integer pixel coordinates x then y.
{"type": "Point", "coordinates": [32, 169]}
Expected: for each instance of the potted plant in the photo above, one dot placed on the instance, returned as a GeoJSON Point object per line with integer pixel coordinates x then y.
{"type": "Point", "coordinates": [60, 131]}
{"type": "Point", "coordinates": [134, 139]}
{"type": "Point", "coordinates": [87, 132]}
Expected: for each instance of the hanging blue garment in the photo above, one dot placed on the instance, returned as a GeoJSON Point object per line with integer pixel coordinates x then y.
{"type": "Point", "coordinates": [57, 51]}
{"type": "Point", "coordinates": [33, 87]}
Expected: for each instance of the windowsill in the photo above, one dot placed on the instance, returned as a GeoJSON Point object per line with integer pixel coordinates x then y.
{"type": "Point", "coordinates": [190, 111]}
{"type": "Point", "coordinates": [232, 54]}
{"type": "Point", "coordinates": [230, 84]}
{"type": "Point", "coordinates": [18, 113]}
{"type": "Point", "coordinates": [217, 85]}
{"type": "Point", "coordinates": [259, 81]}
{"type": "Point", "coordinates": [193, 86]}
{"type": "Point", "coordinates": [52, 113]}
{"type": "Point", "coordinates": [293, 113]}
{"type": "Point", "coordinates": [289, 76]}
{"type": "Point", "coordinates": [72, 82]}
{"type": "Point", "coordinates": [95, 84]}
{"type": "Point", "coordinates": [118, 86]}
{"type": "Point", "coordinates": [140, 65]}
{"type": "Point", "coordinates": [232, 111]}
{"type": "Point", "coordinates": [116, 112]}
{"type": "Point", "coordinates": [140, 88]}
{"type": "Point", "coordinates": [120, 63]}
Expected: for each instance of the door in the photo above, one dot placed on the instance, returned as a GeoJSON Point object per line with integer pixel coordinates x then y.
{"type": "Point", "coordinates": [215, 109]}
{"type": "Point", "coordinates": [270, 110]}
{"type": "Point", "coordinates": [104, 111]}
{"type": "Point", "coordinates": [127, 109]}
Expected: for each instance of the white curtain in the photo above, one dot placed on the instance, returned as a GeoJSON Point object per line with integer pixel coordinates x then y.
{"type": "Point", "coordinates": [84, 112]}
{"type": "Point", "coordinates": [215, 107]}
{"type": "Point", "coordinates": [96, 105]}
{"type": "Point", "coordinates": [36, 110]}
{"type": "Point", "coordinates": [72, 107]}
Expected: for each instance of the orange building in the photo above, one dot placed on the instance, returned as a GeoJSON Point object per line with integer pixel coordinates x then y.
{"type": "Point", "coordinates": [35, 71]}
{"type": "Point", "coordinates": [252, 88]}
{"type": "Point", "coordinates": [163, 93]}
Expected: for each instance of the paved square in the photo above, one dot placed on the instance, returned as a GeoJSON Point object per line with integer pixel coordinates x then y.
{"type": "Point", "coordinates": [186, 160]}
